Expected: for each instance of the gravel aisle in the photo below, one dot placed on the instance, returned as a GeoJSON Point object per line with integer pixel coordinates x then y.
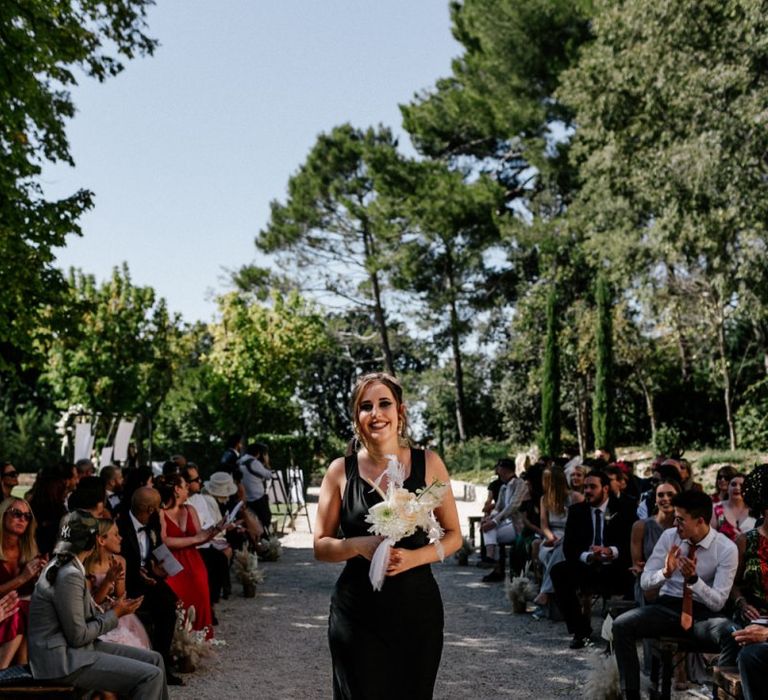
{"type": "Point", "coordinates": [277, 648]}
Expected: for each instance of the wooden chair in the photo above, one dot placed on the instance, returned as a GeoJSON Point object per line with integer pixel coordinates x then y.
{"type": "Point", "coordinates": [726, 684]}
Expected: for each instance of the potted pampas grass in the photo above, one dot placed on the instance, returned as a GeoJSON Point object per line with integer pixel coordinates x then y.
{"type": "Point", "coordinates": [519, 591]}
{"type": "Point", "coordinates": [190, 646]}
{"type": "Point", "coordinates": [246, 568]}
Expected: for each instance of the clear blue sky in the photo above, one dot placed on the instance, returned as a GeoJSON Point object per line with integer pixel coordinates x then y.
{"type": "Point", "coordinates": [184, 150]}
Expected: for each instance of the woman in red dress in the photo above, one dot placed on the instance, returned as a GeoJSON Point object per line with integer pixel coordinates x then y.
{"type": "Point", "coordinates": [181, 533]}
{"type": "Point", "coordinates": [20, 565]}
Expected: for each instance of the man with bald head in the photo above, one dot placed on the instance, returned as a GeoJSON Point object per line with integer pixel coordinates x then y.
{"type": "Point", "coordinates": [140, 531]}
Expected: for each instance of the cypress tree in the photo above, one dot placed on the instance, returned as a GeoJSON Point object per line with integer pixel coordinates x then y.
{"type": "Point", "coordinates": [602, 409]}
{"type": "Point", "coordinates": [549, 438]}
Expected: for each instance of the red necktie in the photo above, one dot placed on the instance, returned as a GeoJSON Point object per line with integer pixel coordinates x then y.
{"type": "Point", "coordinates": [686, 616]}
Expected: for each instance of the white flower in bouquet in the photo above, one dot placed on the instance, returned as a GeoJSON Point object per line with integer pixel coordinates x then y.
{"type": "Point", "coordinates": [400, 514]}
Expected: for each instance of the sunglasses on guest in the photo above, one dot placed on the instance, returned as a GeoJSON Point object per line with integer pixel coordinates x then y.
{"type": "Point", "coordinates": [13, 475]}
{"type": "Point", "coordinates": [16, 513]}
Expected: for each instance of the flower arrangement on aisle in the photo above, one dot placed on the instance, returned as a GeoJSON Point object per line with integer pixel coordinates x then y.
{"type": "Point", "coordinates": [519, 591]}
{"type": "Point", "coordinates": [190, 646]}
{"type": "Point", "coordinates": [271, 549]}
{"type": "Point", "coordinates": [400, 514]}
{"type": "Point", "coordinates": [246, 568]}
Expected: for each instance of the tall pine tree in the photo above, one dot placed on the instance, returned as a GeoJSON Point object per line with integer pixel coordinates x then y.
{"type": "Point", "coordinates": [549, 438]}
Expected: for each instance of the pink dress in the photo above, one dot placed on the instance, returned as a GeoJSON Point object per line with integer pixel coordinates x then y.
{"type": "Point", "coordinates": [191, 584]}
{"type": "Point", "coordinates": [129, 630]}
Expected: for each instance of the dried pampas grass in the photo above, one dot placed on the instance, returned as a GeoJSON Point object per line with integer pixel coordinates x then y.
{"type": "Point", "coordinates": [519, 591]}
{"type": "Point", "coordinates": [601, 681]}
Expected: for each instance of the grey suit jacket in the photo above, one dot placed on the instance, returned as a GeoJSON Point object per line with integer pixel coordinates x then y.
{"type": "Point", "coordinates": [63, 624]}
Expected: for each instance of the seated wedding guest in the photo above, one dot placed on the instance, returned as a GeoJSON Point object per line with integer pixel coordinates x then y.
{"type": "Point", "coordinates": [105, 571]}
{"type": "Point", "coordinates": [530, 529]}
{"type": "Point", "coordinates": [750, 592]}
{"type": "Point", "coordinates": [134, 479]}
{"type": "Point", "coordinates": [661, 472]}
{"type": "Point", "coordinates": [645, 535]}
{"type": "Point", "coordinates": [20, 565]}
{"type": "Point", "coordinates": [619, 482]}
{"type": "Point", "coordinates": [222, 488]}
{"type": "Point", "coordinates": [693, 567]}
{"type": "Point", "coordinates": [139, 529]}
{"type": "Point", "coordinates": [256, 477]}
{"type": "Point", "coordinates": [47, 499]}
{"type": "Point", "coordinates": [9, 479]}
{"type": "Point", "coordinates": [89, 495]}
{"type": "Point", "coordinates": [555, 502]}
{"type": "Point", "coordinates": [216, 553]}
{"type": "Point", "coordinates": [64, 626]}
{"type": "Point", "coordinates": [112, 478]}
{"type": "Point", "coordinates": [686, 474]}
{"type": "Point", "coordinates": [731, 516]}
{"type": "Point", "coordinates": [597, 555]}
{"type": "Point", "coordinates": [85, 467]}
{"type": "Point", "coordinates": [170, 467]}
{"type": "Point", "coordinates": [181, 533]}
{"type": "Point", "coordinates": [722, 481]}
{"type": "Point", "coordinates": [492, 498]}
{"type": "Point", "coordinates": [501, 525]}
{"type": "Point", "coordinates": [575, 473]}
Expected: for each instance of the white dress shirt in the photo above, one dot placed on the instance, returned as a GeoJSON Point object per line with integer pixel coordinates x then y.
{"type": "Point", "coordinates": [141, 536]}
{"type": "Point", "coordinates": [603, 508]}
{"type": "Point", "coordinates": [717, 559]}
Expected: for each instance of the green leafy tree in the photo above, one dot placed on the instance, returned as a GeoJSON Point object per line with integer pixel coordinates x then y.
{"type": "Point", "coordinates": [670, 101]}
{"type": "Point", "coordinates": [498, 106]}
{"type": "Point", "coordinates": [119, 354]}
{"type": "Point", "coordinates": [44, 45]}
{"type": "Point", "coordinates": [451, 225]}
{"type": "Point", "coordinates": [549, 440]}
{"type": "Point", "coordinates": [257, 356]}
{"type": "Point", "coordinates": [331, 232]}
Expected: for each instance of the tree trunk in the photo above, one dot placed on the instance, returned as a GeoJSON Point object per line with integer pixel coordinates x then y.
{"type": "Point", "coordinates": [682, 343]}
{"type": "Point", "coordinates": [648, 406]}
{"type": "Point", "coordinates": [549, 439]}
{"type": "Point", "coordinates": [381, 322]}
{"type": "Point", "coordinates": [458, 370]}
{"type": "Point", "coordinates": [378, 306]}
{"type": "Point", "coordinates": [582, 421]}
{"type": "Point", "coordinates": [727, 388]}
{"type": "Point", "coordinates": [458, 373]}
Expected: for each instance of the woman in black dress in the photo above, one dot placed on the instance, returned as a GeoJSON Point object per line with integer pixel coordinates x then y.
{"type": "Point", "coordinates": [385, 643]}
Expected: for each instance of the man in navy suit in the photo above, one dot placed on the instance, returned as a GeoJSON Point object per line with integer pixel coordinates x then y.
{"type": "Point", "coordinates": [597, 556]}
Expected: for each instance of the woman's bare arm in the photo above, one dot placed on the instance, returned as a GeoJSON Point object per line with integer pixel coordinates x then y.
{"type": "Point", "coordinates": [327, 545]}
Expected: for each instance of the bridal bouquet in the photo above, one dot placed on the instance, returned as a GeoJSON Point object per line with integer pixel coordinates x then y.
{"type": "Point", "coordinates": [400, 514]}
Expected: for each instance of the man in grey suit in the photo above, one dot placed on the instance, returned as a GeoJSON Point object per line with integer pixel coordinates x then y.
{"type": "Point", "coordinates": [64, 626]}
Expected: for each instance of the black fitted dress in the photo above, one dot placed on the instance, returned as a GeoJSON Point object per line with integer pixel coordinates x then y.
{"type": "Point", "coordinates": [384, 644]}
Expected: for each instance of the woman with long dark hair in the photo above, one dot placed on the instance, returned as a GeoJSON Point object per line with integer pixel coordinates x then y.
{"type": "Point", "coordinates": [181, 532]}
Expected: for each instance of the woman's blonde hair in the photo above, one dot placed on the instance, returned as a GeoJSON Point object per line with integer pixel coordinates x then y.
{"type": "Point", "coordinates": [27, 543]}
{"type": "Point", "coordinates": [105, 525]}
{"type": "Point", "coordinates": [362, 383]}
